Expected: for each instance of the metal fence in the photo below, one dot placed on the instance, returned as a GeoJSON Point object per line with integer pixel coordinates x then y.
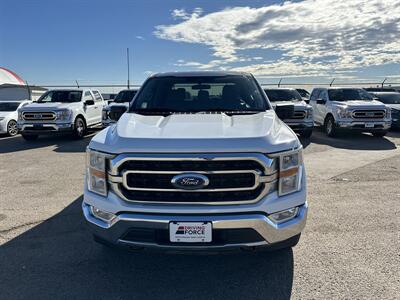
{"type": "Point", "coordinates": [115, 88]}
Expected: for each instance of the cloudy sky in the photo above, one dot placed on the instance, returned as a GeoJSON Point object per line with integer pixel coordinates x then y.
{"type": "Point", "coordinates": [301, 41]}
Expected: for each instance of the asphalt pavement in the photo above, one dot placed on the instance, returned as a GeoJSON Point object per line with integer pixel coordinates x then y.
{"type": "Point", "coordinates": [349, 249]}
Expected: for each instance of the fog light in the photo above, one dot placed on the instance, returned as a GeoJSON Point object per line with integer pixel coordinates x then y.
{"type": "Point", "coordinates": [102, 215]}
{"type": "Point", "coordinates": [284, 215]}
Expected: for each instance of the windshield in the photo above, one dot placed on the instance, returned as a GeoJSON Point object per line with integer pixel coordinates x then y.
{"type": "Point", "coordinates": [348, 94]}
{"type": "Point", "coordinates": [283, 95]}
{"type": "Point", "coordinates": [9, 106]}
{"type": "Point", "coordinates": [61, 96]}
{"type": "Point", "coordinates": [303, 93]}
{"type": "Point", "coordinates": [199, 94]}
{"type": "Point", "coordinates": [125, 96]}
{"type": "Point", "coordinates": [389, 98]}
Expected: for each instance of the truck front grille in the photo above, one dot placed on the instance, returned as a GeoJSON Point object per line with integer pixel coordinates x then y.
{"type": "Point", "coordinates": [39, 116]}
{"type": "Point", "coordinates": [368, 114]}
{"type": "Point", "coordinates": [231, 180]}
{"type": "Point", "coordinates": [299, 114]}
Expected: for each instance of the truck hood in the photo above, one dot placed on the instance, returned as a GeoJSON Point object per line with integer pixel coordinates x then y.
{"type": "Point", "coordinates": [298, 105]}
{"type": "Point", "coordinates": [361, 104]}
{"type": "Point", "coordinates": [395, 106]}
{"type": "Point", "coordinates": [196, 133]}
{"type": "Point", "coordinates": [48, 106]}
{"type": "Point", "coordinates": [126, 104]}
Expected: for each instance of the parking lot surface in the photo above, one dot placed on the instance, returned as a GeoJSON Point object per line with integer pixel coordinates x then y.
{"type": "Point", "coordinates": [349, 249]}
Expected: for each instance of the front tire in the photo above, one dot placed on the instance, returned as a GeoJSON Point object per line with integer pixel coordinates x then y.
{"type": "Point", "coordinates": [79, 128]}
{"type": "Point", "coordinates": [12, 128]}
{"type": "Point", "coordinates": [330, 127]}
{"type": "Point", "coordinates": [29, 137]}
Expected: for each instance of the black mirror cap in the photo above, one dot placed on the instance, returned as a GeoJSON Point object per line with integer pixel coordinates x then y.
{"type": "Point", "coordinates": [89, 102]}
{"type": "Point", "coordinates": [284, 111]}
{"type": "Point", "coordinates": [116, 111]}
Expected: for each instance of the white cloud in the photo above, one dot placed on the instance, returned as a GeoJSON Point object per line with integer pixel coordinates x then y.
{"type": "Point", "coordinates": [182, 14]}
{"type": "Point", "coordinates": [315, 36]}
{"type": "Point", "coordinates": [139, 37]}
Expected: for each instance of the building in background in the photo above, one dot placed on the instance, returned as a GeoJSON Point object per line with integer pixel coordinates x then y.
{"type": "Point", "coordinates": [12, 87]}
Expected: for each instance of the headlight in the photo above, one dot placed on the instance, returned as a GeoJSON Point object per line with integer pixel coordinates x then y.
{"type": "Point", "coordinates": [343, 112]}
{"type": "Point", "coordinates": [64, 115]}
{"type": "Point", "coordinates": [20, 116]}
{"type": "Point", "coordinates": [290, 170]}
{"type": "Point", "coordinates": [309, 113]}
{"type": "Point", "coordinates": [388, 112]}
{"type": "Point", "coordinates": [96, 172]}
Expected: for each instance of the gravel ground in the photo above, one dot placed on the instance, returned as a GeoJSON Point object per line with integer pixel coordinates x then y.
{"type": "Point", "coordinates": [349, 249]}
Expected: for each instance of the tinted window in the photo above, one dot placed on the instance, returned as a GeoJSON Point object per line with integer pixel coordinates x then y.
{"type": "Point", "coordinates": [97, 96]}
{"type": "Point", "coordinates": [61, 96]}
{"type": "Point", "coordinates": [9, 106]}
{"type": "Point", "coordinates": [125, 96]}
{"type": "Point", "coordinates": [389, 98]}
{"type": "Point", "coordinates": [283, 95]}
{"type": "Point", "coordinates": [208, 93]}
{"type": "Point", "coordinates": [303, 93]}
{"type": "Point", "coordinates": [348, 94]}
{"type": "Point", "coordinates": [88, 96]}
{"type": "Point", "coordinates": [314, 94]}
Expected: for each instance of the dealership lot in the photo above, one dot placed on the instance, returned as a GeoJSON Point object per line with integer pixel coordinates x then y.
{"type": "Point", "coordinates": [349, 249]}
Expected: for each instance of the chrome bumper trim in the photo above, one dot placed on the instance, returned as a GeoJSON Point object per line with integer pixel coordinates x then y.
{"type": "Point", "coordinates": [270, 231]}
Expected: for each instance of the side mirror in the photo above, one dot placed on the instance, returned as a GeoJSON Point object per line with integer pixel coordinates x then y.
{"type": "Point", "coordinates": [89, 102]}
{"type": "Point", "coordinates": [284, 111]}
{"type": "Point", "coordinates": [116, 111]}
{"type": "Point", "coordinates": [321, 101]}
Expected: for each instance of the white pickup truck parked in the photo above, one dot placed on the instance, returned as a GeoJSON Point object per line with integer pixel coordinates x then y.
{"type": "Point", "coordinates": [122, 99]}
{"type": "Point", "coordinates": [200, 161]}
{"type": "Point", "coordinates": [61, 111]}
{"type": "Point", "coordinates": [9, 116]}
{"type": "Point", "coordinates": [354, 109]}
{"type": "Point", "coordinates": [302, 119]}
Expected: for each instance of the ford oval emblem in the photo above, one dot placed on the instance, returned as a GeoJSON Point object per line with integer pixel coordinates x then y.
{"type": "Point", "coordinates": [190, 181]}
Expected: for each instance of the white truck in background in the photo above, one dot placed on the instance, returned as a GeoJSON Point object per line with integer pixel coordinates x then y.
{"type": "Point", "coordinates": [349, 109]}
{"type": "Point", "coordinates": [61, 111]}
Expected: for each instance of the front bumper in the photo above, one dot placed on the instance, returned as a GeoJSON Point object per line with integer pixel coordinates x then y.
{"type": "Point", "coordinates": [45, 128]}
{"type": "Point", "coordinates": [157, 227]}
{"type": "Point", "coordinates": [300, 125]}
{"type": "Point", "coordinates": [364, 126]}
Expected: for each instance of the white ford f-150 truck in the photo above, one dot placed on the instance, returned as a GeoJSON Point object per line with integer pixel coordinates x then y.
{"type": "Point", "coordinates": [61, 111]}
{"type": "Point", "coordinates": [302, 119]}
{"type": "Point", "coordinates": [122, 99]}
{"type": "Point", "coordinates": [351, 109]}
{"type": "Point", "coordinates": [200, 161]}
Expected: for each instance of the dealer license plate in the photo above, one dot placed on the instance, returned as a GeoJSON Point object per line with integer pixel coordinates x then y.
{"type": "Point", "coordinates": [190, 232]}
{"type": "Point", "coordinates": [369, 125]}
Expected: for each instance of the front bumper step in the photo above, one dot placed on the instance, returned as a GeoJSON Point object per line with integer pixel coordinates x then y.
{"type": "Point", "coordinates": [270, 232]}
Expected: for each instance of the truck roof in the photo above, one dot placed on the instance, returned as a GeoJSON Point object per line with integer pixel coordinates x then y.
{"type": "Point", "coordinates": [198, 73]}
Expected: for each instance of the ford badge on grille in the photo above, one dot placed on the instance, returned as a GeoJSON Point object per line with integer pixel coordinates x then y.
{"type": "Point", "coordinates": [190, 181]}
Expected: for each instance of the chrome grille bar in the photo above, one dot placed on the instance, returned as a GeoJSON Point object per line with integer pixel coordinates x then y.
{"type": "Point", "coordinates": [265, 177]}
{"type": "Point", "coordinates": [39, 116]}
